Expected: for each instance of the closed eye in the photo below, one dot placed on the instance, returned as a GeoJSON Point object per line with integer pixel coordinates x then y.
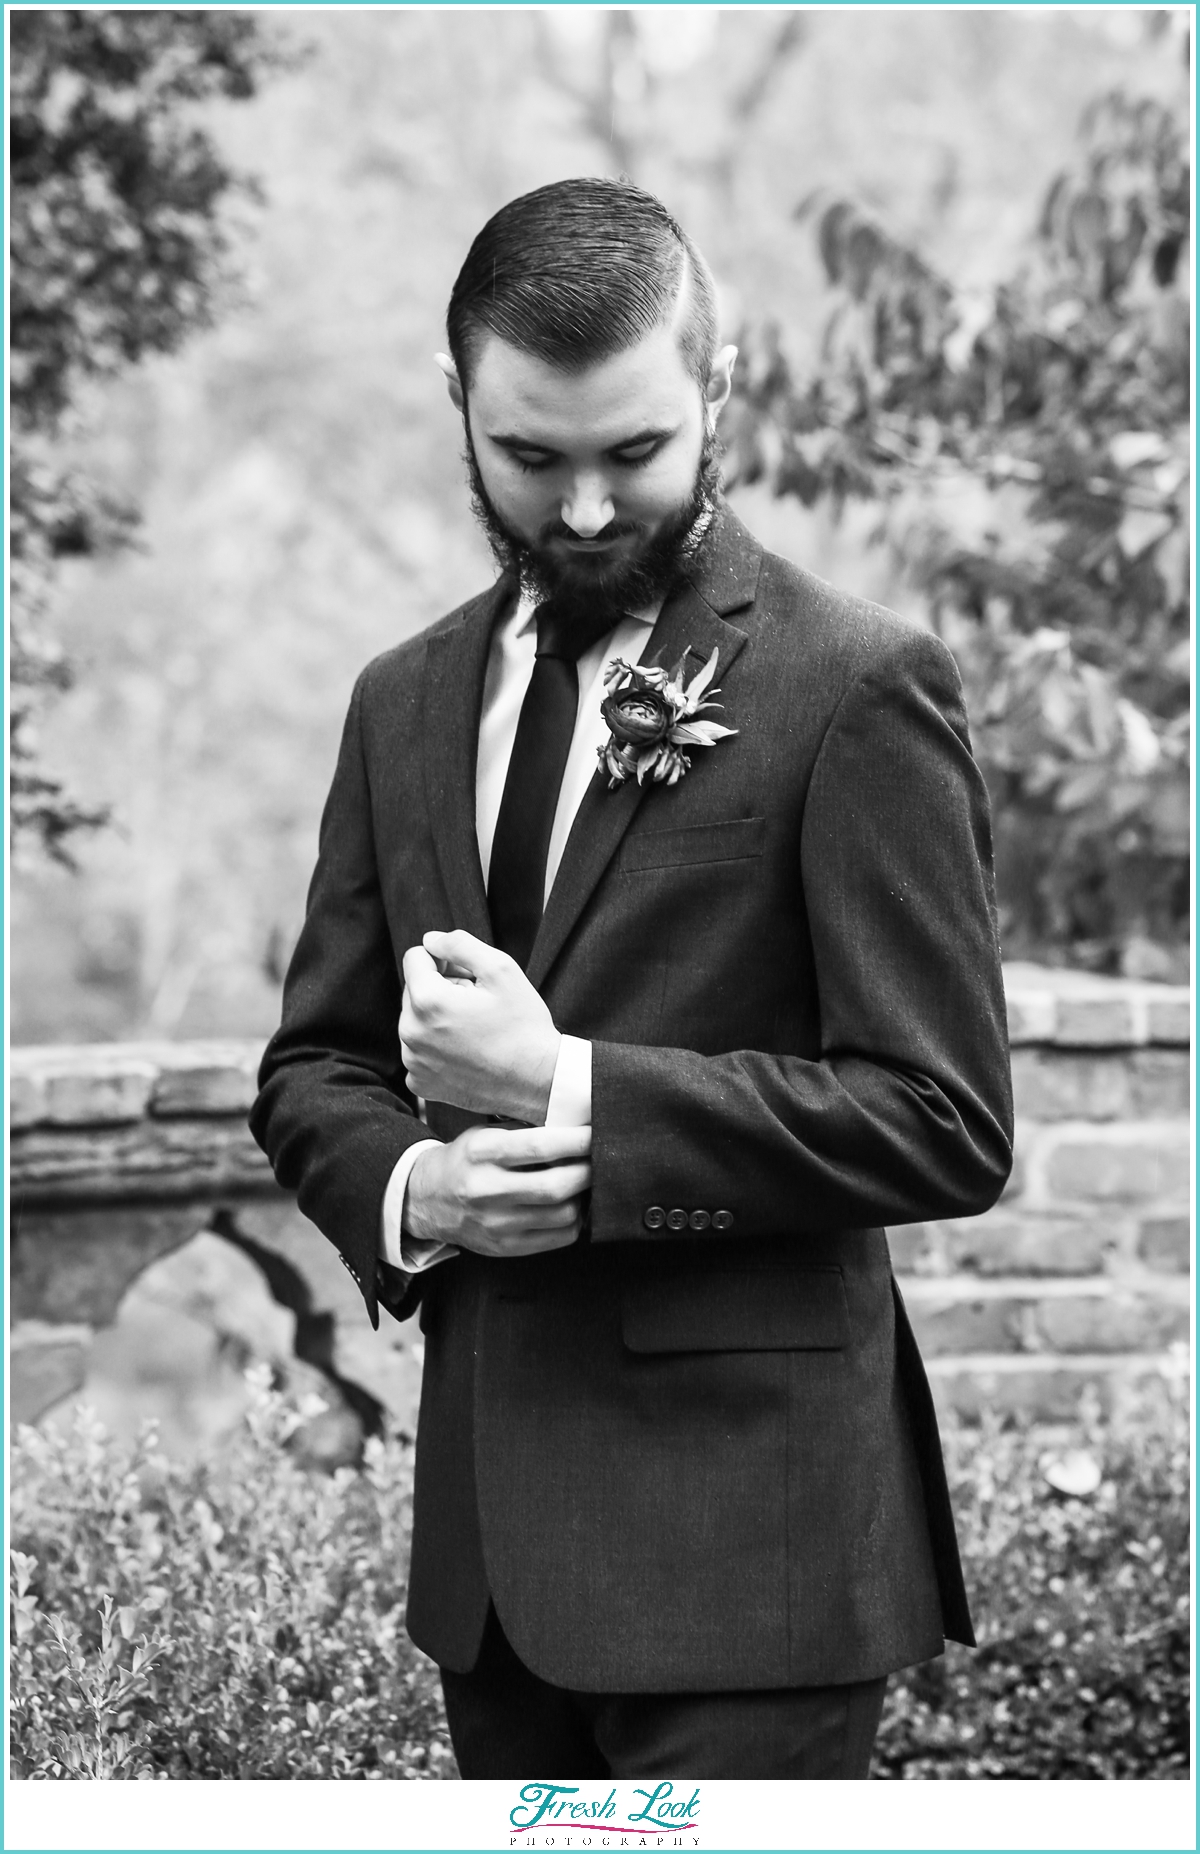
{"type": "Point", "coordinates": [637, 451]}
{"type": "Point", "coordinates": [531, 460]}
{"type": "Point", "coordinates": [631, 457]}
{"type": "Point", "coordinates": [634, 454]}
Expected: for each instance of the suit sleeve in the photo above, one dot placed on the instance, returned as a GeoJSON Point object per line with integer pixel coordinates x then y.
{"type": "Point", "coordinates": [906, 1114]}
{"type": "Point", "coordinates": [333, 1114]}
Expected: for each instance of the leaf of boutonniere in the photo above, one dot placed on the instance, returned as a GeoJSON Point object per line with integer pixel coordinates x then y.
{"type": "Point", "coordinates": [700, 682]}
{"type": "Point", "coordinates": [699, 733]}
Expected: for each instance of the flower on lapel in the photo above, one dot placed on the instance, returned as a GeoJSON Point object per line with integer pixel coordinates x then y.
{"type": "Point", "coordinates": [653, 717]}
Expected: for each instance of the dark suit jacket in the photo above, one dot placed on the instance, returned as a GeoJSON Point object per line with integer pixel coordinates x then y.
{"type": "Point", "coordinates": [695, 1451]}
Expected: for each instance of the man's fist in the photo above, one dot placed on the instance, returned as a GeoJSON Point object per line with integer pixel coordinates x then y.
{"type": "Point", "coordinates": [473, 1031]}
{"type": "Point", "coordinates": [473, 1193]}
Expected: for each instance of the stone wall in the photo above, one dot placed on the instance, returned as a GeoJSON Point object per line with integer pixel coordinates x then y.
{"type": "Point", "coordinates": [119, 1156]}
{"type": "Point", "coordinates": [1080, 1276]}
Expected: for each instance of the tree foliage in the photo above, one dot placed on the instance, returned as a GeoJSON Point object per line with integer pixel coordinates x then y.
{"type": "Point", "coordinates": [1028, 452]}
{"type": "Point", "coordinates": [117, 251]}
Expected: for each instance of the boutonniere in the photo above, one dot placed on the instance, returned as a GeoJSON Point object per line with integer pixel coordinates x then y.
{"type": "Point", "coordinates": [653, 717]}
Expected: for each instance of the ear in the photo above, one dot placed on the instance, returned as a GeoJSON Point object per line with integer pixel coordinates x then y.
{"type": "Point", "coordinates": [720, 381]}
{"type": "Point", "coordinates": [453, 384]}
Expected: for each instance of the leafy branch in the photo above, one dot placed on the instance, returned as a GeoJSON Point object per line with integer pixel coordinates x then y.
{"type": "Point", "coordinates": [1027, 452]}
{"type": "Point", "coordinates": [119, 249]}
{"type": "Point", "coordinates": [104, 1741]}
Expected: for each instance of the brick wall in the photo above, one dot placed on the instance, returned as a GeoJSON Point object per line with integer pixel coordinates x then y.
{"type": "Point", "coordinates": [1080, 1276]}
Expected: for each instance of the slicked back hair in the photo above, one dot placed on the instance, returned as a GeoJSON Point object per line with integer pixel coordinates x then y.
{"type": "Point", "coordinates": [578, 271]}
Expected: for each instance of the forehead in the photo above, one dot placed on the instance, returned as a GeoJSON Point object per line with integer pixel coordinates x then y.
{"type": "Point", "coordinates": [644, 386]}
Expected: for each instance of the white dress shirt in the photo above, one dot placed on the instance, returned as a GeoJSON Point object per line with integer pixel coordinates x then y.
{"type": "Point", "coordinates": [509, 669]}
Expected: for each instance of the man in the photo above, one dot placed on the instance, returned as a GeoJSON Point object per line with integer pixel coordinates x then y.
{"type": "Point", "coordinates": [615, 1072]}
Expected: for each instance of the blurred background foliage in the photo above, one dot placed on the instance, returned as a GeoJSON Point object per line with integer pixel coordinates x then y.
{"type": "Point", "coordinates": [1027, 450]}
{"type": "Point", "coordinates": [116, 246]}
{"type": "Point", "coordinates": [952, 240]}
{"type": "Point", "coordinates": [241, 1618]}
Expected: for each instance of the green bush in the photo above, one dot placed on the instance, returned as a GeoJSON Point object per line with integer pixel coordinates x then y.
{"type": "Point", "coordinates": [255, 1613]}
{"type": "Point", "coordinates": [244, 1619]}
{"type": "Point", "coordinates": [1081, 1609]}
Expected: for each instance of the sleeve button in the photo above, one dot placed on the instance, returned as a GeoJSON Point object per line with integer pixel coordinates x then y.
{"type": "Point", "coordinates": [722, 1219]}
{"type": "Point", "coordinates": [654, 1217]}
{"type": "Point", "coordinates": [699, 1220]}
{"type": "Point", "coordinates": [677, 1220]}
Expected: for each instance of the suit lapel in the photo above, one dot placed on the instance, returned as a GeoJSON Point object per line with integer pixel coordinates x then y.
{"type": "Point", "coordinates": [456, 665]}
{"type": "Point", "coordinates": [723, 580]}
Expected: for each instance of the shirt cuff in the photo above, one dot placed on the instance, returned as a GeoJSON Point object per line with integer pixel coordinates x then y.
{"type": "Point", "coordinates": [411, 1253]}
{"type": "Point", "coordinates": [570, 1103]}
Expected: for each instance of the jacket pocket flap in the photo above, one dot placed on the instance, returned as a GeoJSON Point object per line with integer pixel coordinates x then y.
{"type": "Point", "coordinates": [694, 843]}
{"type": "Point", "coordinates": [718, 1310]}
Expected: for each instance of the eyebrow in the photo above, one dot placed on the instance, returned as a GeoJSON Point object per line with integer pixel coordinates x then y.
{"type": "Point", "coordinates": [514, 442]}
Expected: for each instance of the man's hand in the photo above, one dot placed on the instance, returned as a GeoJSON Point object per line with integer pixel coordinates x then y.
{"type": "Point", "coordinates": [473, 1031]}
{"type": "Point", "coordinates": [472, 1193]}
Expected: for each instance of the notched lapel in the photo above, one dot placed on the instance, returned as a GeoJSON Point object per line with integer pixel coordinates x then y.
{"type": "Point", "coordinates": [687, 622]}
{"type": "Point", "coordinates": [456, 665]}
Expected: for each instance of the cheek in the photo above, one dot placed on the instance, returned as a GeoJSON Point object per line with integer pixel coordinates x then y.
{"type": "Point", "coordinates": [658, 493]}
{"type": "Point", "coordinates": [520, 499]}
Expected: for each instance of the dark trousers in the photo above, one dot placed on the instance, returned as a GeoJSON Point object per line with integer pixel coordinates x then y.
{"type": "Point", "coordinates": [506, 1722]}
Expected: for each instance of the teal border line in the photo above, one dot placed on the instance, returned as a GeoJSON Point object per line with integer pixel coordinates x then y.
{"type": "Point", "coordinates": [301, 6]}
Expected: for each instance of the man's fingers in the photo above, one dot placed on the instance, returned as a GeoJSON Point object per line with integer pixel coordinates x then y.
{"type": "Point", "coordinates": [536, 1242]}
{"type": "Point", "coordinates": [560, 1182]}
{"type": "Point", "coordinates": [510, 1220]}
{"type": "Point", "coordinates": [518, 1146]}
{"type": "Point", "coordinates": [554, 1185]}
{"type": "Point", "coordinates": [534, 1233]}
{"type": "Point", "coordinates": [462, 952]}
{"type": "Point", "coordinates": [426, 976]}
{"type": "Point", "coordinates": [420, 975]}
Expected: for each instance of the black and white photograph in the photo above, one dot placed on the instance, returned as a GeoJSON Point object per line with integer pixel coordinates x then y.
{"type": "Point", "coordinates": [598, 908]}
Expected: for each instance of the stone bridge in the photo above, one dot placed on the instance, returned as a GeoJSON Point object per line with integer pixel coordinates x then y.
{"type": "Point", "coordinates": [122, 1153]}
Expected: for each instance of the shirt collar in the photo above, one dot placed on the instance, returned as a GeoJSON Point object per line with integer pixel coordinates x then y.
{"type": "Point", "coordinates": [522, 618]}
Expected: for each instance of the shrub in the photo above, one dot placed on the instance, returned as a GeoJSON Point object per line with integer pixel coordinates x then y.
{"type": "Point", "coordinates": [245, 1619]}
{"type": "Point", "coordinates": [234, 1619]}
{"type": "Point", "coordinates": [1081, 1609]}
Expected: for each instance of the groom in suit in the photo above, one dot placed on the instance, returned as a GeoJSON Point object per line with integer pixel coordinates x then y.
{"type": "Point", "coordinates": [649, 969]}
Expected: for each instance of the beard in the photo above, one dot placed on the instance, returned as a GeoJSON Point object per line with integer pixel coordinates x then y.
{"type": "Point", "coordinates": [633, 583]}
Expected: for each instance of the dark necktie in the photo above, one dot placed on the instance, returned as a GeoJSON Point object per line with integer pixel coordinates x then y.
{"type": "Point", "coordinates": [517, 873]}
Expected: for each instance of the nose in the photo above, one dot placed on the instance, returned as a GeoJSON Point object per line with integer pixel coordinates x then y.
{"type": "Point", "coordinates": [587, 507]}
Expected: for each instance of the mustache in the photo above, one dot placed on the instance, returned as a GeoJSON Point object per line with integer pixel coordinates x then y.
{"type": "Point", "coordinates": [652, 566]}
{"type": "Point", "coordinates": [559, 531]}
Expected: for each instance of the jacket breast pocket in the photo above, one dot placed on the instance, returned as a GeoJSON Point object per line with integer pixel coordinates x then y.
{"type": "Point", "coordinates": [720, 842]}
{"type": "Point", "coordinates": [735, 1310]}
